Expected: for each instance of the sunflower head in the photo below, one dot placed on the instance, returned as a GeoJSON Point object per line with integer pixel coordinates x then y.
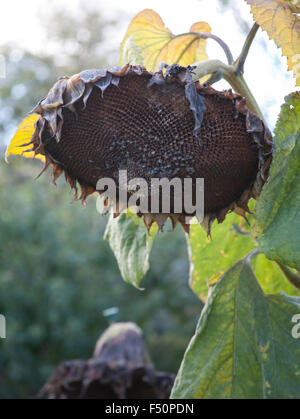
{"type": "Point", "coordinates": [153, 125]}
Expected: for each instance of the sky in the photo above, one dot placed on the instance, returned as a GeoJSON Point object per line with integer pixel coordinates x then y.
{"type": "Point", "coordinates": [265, 70]}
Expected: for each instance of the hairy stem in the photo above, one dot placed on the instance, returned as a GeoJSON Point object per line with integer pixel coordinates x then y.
{"type": "Point", "coordinates": [239, 63]}
{"type": "Point", "coordinates": [224, 46]}
{"type": "Point", "coordinates": [233, 72]}
{"type": "Point", "coordinates": [206, 35]}
{"type": "Point", "coordinates": [228, 72]}
{"type": "Point", "coordinates": [240, 86]}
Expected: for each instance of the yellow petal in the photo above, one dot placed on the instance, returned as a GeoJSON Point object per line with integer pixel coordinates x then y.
{"type": "Point", "coordinates": [280, 20]}
{"type": "Point", "coordinates": [23, 135]}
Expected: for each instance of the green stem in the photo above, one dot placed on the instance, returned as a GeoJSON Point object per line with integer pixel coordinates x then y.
{"type": "Point", "coordinates": [291, 276]}
{"type": "Point", "coordinates": [239, 63]}
{"type": "Point", "coordinates": [208, 35]}
{"type": "Point", "coordinates": [240, 86]}
{"type": "Point", "coordinates": [223, 45]}
{"type": "Point", "coordinates": [228, 72]}
{"type": "Point", "coordinates": [232, 73]}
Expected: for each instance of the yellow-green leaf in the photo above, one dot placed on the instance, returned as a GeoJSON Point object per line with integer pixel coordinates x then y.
{"type": "Point", "coordinates": [270, 276]}
{"type": "Point", "coordinates": [281, 21]}
{"type": "Point", "coordinates": [211, 258]}
{"type": "Point", "coordinates": [231, 241]}
{"type": "Point", "coordinates": [23, 135]}
{"type": "Point", "coordinates": [148, 42]}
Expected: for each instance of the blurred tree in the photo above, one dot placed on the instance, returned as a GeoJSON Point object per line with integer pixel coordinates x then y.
{"type": "Point", "coordinates": [84, 42]}
{"type": "Point", "coordinates": [28, 79]}
{"type": "Point", "coordinates": [57, 275]}
{"type": "Point", "coordinates": [71, 48]}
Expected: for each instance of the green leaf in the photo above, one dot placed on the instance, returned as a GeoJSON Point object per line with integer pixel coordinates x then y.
{"type": "Point", "coordinates": [278, 209]}
{"type": "Point", "coordinates": [131, 244]}
{"type": "Point", "coordinates": [243, 346]}
{"type": "Point", "coordinates": [209, 259]}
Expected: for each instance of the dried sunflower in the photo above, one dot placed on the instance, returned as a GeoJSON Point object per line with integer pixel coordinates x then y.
{"type": "Point", "coordinates": [162, 125]}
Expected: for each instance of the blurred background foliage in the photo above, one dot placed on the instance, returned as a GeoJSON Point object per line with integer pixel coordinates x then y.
{"type": "Point", "coordinates": [57, 275]}
{"type": "Point", "coordinates": [73, 42]}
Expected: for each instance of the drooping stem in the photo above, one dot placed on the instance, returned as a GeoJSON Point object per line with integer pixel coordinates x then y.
{"type": "Point", "coordinates": [220, 41]}
{"type": "Point", "coordinates": [291, 276]}
{"type": "Point", "coordinates": [239, 63]}
{"type": "Point", "coordinates": [240, 86]}
{"type": "Point", "coordinates": [206, 35]}
{"type": "Point", "coordinates": [208, 67]}
{"type": "Point", "coordinates": [228, 72]}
